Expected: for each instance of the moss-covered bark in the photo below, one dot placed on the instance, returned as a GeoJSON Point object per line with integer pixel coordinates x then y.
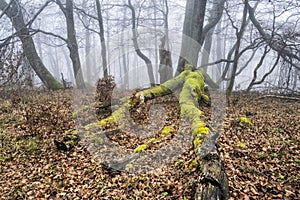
{"type": "Point", "coordinates": [192, 84]}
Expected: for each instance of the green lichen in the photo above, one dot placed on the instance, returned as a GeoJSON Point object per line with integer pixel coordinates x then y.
{"type": "Point", "coordinates": [167, 130]}
{"type": "Point", "coordinates": [140, 148]}
{"type": "Point", "coordinates": [244, 121]}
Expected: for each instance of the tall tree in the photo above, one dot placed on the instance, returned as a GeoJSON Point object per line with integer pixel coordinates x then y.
{"type": "Point", "coordinates": [239, 35]}
{"type": "Point", "coordinates": [165, 65]}
{"type": "Point", "coordinates": [214, 17]}
{"type": "Point", "coordinates": [14, 12]}
{"type": "Point", "coordinates": [102, 39]}
{"type": "Point", "coordinates": [136, 46]}
{"type": "Point", "coordinates": [72, 41]}
{"type": "Point", "coordinates": [192, 33]}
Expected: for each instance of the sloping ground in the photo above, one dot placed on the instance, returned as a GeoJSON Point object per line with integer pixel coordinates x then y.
{"type": "Point", "coordinates": [262, 160]}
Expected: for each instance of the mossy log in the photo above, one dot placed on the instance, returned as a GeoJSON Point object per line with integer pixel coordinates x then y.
{"type": "Point", "coordinates": [214, 184]}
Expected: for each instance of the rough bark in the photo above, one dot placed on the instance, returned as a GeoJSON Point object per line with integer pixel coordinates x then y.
{"type": "Point", "coordinates": [213, 180]}
{"type": "Point", "coordinates": [14, 13]}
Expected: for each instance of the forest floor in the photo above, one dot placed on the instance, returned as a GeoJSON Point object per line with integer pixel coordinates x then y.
{"type": "Point", "coordinates": [262, 159]}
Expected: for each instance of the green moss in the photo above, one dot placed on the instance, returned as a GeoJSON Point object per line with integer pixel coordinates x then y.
{"type": "Point", "coordinates": [197, 142]}
{"type": "Point", "coordinates": [189, 67]}
{"type": "Point", "coordinates": [194, 164]}
{"type": "Point", "coordinates": [141, 147]}
{"type": "Point", "coordinates": [106, 121]}
{"type": "Point", "coordinates": [244, 121]}
{"type": "Point", "coordinates": [241, 144]}
{"type": "Point", "coordinates": [115, 117]}
{"type": "Point", "coordinates": [128, 166]}
{"type": "Point", "coordinates": [151, 140]}
{"type": "Point", "coordinates": [91, 126]}
{"type": "Point", "coordinates": [190, 111]}
{"type": "Point", "coordinates": [167, 130]}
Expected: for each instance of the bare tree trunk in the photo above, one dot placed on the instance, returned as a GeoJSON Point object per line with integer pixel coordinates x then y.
{"type": "Point", "coordinates": [190, 47]}
{"type": "Point", "coordinates": [136, 46]}
{"type": "Point", "coordinates": [102, 39]}
{"type": "Point", "coordinates": [239, 35]}
{"type": "Point", "coordinates": [14, 13]}
{"type": "Point", "coordinates": [72, 42]}
{"type": "Point", "coordinates": [215, 15]}
{"type": "Point", "coordinates": [165, 65]}
{"type": "Point", "coordinates": [257, 68]}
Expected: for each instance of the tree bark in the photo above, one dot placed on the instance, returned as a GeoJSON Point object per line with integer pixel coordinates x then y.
{"type": "Point", "coordinates": [72, 42]}
{"type": "Point", "coordinates": [102, 39]}
{"type": "Point", "coordinates": [165, 60]}
{"type": "Point", "coordinates": [239, 35]}
{"type": "Point", "coordinates": [136, 46]}
{"type": "Point", "coordinates": [214, 18]}
{"type": "Point", "coordinates": [14, 13]}
{"type": "Point", "coordinates": [213, 179]}
{"type": "Point", "coordinates": [192, 33]}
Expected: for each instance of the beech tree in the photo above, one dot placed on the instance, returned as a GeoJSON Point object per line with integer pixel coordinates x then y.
{"type": "Point", "coordinates": [13, 11]}
{"type": "Point", "coordinates": [72, 41]}
{"type": "Point", "coordinates": [190, 83]}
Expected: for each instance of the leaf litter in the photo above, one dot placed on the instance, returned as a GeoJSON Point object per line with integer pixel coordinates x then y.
{"type": "Point", "coordinates": [262, 159]}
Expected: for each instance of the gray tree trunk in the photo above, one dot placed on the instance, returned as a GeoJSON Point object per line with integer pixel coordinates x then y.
{"type": "Point", "coordinates": [239, 35]}
{"type": "Point", "coordinates": [72, 42]}
{"type": "Point", "coordinates": [192, 33]}
{"type": "Point", "coordinates": [214, 17]}
{"type": "Point", "coordinates": [136, 46]}
{"type": "Point", "coordinates": [14, 13]}
{"type": "Point", "coordinates": [102, 39]}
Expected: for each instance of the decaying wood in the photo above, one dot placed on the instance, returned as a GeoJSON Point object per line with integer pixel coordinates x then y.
{"type": "Point", "coordinates": [213, 179]}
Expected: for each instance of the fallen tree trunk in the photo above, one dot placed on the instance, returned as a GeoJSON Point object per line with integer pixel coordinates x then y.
{"type": "Point", "coordinates": [213, 179]}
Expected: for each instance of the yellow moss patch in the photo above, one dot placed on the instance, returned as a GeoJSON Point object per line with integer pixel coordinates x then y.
{"type": "Point", "coordinates": [199, 127]}
{"type": "Point", "coordinates": [194, 164]}
{"type": "Point", "coordinates": [240, 145]}
{"type": "Point", "coordinates": [167, 130]}
{"type": "Point", "coordinates": [91, 126]}
{"type": "Point", "coordinates": [197, 142]}
{"type": "Point", "coordinates": [151, 140]}
{"type": "Point", "coordinates": [115, 117]}
{"type": "Point", "coordinates": [244, 121]}
{"type": "Point", "coordinates": [141, 147]}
